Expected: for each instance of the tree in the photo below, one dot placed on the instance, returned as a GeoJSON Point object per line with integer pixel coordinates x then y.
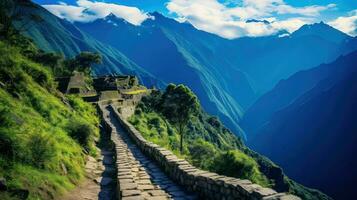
{"type": "Point", "coordinates": [179, 103]}
{"type": "Point", "coordinates": [83, 61]}
{"type": "Point", "coordinates": [52, 60]}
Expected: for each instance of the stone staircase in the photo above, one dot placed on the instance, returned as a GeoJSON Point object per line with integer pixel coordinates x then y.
{"type": "Point", "coordinates": [147, 171]}
{"type": "Point", "coordinates": [139, 177]}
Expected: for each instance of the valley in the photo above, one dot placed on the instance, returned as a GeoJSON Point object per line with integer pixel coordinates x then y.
{"type": "Point", "coordinates": [171, 110]}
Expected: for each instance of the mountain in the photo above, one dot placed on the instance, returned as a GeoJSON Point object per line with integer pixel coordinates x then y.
{"type": "Point", "coordinates": [283, 94]}
{"type": "Point", "coordinates": [313, 137]}
{"type": "Point", "coordinates": [179, 53]}
{"type": "Point", "coordinates": [227, 75]}
{"type": "Point", "coordinates": [267, 60]}
{"type": "Point", "coordinates": [53, 34]}
{"type": "Point", "coordinates": [321, 30]}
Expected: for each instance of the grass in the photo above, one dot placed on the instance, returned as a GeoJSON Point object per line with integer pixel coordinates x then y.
{"type": "Point", "coordinates": [43, 159]}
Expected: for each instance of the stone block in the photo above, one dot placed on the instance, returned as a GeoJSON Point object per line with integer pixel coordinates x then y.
{"type": "Point", "coordinates": [128, 186]}
{"type": "Point", "coordinates": [126, 193]}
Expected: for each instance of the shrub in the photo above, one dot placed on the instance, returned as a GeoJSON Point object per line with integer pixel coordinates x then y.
{"type": "Point", "coordinates": [213, 121]}
{"type": "Point", "coordinates": [42, 149]}
{"type": "Point", "coordinates": [138, 111]}
{"type": "Point", "coordinates": [237, 164]}
{"type": "Point", "coordinates": [81, 132]}
{"type": "Point", "coordinates": [202, 153]}
{"type": "Point", "coordinates": [155, 122]}
{"type": "Point", "coordinates": [7, 146]}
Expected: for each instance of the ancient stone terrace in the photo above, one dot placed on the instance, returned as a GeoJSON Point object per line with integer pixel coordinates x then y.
{"type": "Point", "coordinates": [147, 171]}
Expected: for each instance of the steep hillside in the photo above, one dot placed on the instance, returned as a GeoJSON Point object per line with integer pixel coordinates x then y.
{"type": "Point", "coordinates": [209, 145]}
{"type": "Point", "coordinates": [287, 91]}
{"type": "Point", "coordinates": [53, 34]}
{"type": "Point", "coordinates": [227, 75]}
{"type": "Point", "coordinates": [41, 156]}
{"type": "Point", "coordinates": [313, 137]}
{"type": "Point", "coordinates": [181, 54]}
{"type": "Point", "coordinates": [267, 60]}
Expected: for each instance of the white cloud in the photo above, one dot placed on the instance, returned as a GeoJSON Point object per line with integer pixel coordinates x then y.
{"type": "Point", "coordinates": [230, 21]}
{"type": "Point", "coordinates": [86, 10]}
{"type": "Point", "coordinates": [347, 24]}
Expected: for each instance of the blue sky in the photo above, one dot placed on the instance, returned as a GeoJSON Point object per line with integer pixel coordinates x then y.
{"type": "Point", "coordinates": [227, 18]}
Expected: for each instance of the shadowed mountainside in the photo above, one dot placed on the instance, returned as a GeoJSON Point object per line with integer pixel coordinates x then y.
{"type": "Point", "coordinates": [311, 132]}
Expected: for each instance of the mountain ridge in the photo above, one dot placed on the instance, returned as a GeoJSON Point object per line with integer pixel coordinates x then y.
{"type": "Point", "coordinates": [68, 40]}
{"type": "Point", "coordinates": [317, 121]}
{"type": "Point", "coordinates": [227, 75]}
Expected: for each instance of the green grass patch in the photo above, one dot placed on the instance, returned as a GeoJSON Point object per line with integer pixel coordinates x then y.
{"type": "Point", "coordinates": [39, 151]}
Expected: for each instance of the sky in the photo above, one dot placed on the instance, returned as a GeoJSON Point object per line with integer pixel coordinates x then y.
{"type": "Point", "coordinates": [226, 18]}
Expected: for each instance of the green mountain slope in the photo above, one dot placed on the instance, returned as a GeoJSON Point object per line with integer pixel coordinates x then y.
{"type": "Point", "coordinates": [209, 145]}
{"type": "Point", "coordinates": [179, 53]}
{"type": "Point", "coordinates": [53, 34]}
{"type": "Point", "coordinates": [38, 157]}
{"type": "Point", "coordinates": [227, 75]}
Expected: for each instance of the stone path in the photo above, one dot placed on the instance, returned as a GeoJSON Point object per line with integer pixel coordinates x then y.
{"type": "Point", "coordinates": [100, 183]}
{"type": "Point", "coordinates": [138, 176]}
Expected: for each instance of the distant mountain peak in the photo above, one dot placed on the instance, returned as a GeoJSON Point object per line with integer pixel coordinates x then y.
{"type": "Point", "coordinates": [111, 15]}
{"type": "Point", "coordinates": [266, 22]}
{"type": "Point", "coordinates": [322, 30]}
{"type": "Point", "coordinates": [111, 18]}
{"type": "Point", "coordinates": [156, 14]}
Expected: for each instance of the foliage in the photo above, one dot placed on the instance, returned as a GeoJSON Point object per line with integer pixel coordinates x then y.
{"type": "Point", "coordinates": [35, 143]}
{"type": "Point", "coordinates": [83, 61]}
{"type": "Point", "coordinates": [11, 14]}
{"type": "Point", "coordinates": [202, 153]}
{"type": "Point", "coordinates": [42, 149]}
{"type": "Point", "coordinates": [237, 164]}
{"type": "Point", "coordinates": [211, 146]}
{"type": "Point", "coordinates": [207, 142]}
{"type": "Point", "coordinates": [178, 104]}
{"type": "Point", "coordinates": [81, 132]}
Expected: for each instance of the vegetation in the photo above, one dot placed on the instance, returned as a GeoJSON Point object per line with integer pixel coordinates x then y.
{"type": "Point", "coordinates": [10, 11]}
{"type": "Point", "coordinates": [208, 143]}
{"type": "Point", "coordinates": [83, 62]}
{"type": "Point", "coordinates": [178, 105]}
{"type": "Point", "coordinates": [210, 146]}
{"type": "Point", "coordinates": [44, 135]}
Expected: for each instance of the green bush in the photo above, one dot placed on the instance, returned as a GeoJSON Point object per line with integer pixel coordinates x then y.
{"type": "Point", "coordinates": [202, 153]}
{"type": "Point", "coordinates": [237, 164]}
{"type": "Point", "coordinates": [7, 146]}
{"type": "Point", "coordinates": [154, 122]}
{"type": "Point", "coordinates": [41, 149]}
{"type": "Point", "coordinates": [81, 132]}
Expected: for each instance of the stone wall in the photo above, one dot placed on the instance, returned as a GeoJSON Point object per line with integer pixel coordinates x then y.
{"type": "Point", "coordinates": [206, 184]}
